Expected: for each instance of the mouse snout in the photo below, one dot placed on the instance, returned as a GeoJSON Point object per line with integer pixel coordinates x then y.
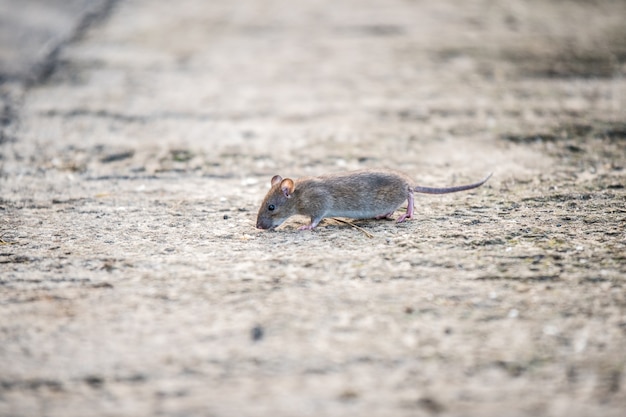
{"type": "Point", "coordinates": [264, 224]}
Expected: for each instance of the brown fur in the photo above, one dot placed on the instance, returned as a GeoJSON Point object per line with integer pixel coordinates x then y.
{"type": "Point", "coordinates": [356, 194]}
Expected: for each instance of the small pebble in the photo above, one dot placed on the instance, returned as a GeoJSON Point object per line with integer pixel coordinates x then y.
{"type": "Point", "coordinates": [257, 333]}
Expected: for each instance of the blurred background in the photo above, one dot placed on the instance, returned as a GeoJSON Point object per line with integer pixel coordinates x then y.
{"type": "Point", "coordinates": [138, 138]}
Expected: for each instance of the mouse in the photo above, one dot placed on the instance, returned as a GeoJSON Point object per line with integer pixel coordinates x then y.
{"type": "Point", "coordinates": [362, 194]}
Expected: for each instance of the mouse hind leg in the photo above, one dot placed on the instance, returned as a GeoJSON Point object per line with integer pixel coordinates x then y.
{"type": "Point", "coordinates": [384, 216]}
{"type": "Point", "coordinates": [409, 209]}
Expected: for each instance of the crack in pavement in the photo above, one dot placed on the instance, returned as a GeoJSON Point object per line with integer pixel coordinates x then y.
{"type": "Point", "coordinates": [22, 63]}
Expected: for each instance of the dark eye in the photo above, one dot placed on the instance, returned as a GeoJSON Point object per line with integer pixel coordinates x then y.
{"type": "Point", "coordinates": [271, 207]}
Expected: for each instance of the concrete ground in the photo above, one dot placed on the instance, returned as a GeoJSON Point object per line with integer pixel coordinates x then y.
{"type": "Point", "coordinates": [138, 138]}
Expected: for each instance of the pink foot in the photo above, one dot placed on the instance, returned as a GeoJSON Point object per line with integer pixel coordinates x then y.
{"type": "Point", "coordinates": [384, 216]}
{"type": "Point", "coordinates": [311, 226]}
{"type": "Point", "coordinates": [409, 209]}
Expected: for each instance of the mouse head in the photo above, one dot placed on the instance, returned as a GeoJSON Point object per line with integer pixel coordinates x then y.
{"type": "Point", "coordinates": [277, 205]}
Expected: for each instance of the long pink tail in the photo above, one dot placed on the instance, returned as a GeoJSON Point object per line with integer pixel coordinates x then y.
{"type": "Point", "coordinates": [435, 190]}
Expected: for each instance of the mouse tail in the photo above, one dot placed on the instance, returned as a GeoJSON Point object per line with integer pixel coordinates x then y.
{"type": "Point", "coordinates": [446, 190]}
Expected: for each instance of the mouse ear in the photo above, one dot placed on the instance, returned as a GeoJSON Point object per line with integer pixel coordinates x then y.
{"type": "Point", "coordinates": [287, 187]}
{"type": "Point", "coordinates": [276, 179]}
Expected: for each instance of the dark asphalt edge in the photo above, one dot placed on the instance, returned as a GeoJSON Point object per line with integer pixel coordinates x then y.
{"type": "Point", "coordinates": [12, 91]}
{"type": "Point", "coordinates": [47, 67]}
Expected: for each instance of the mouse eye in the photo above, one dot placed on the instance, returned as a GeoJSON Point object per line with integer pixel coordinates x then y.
{"type": "Point", "coordinates": [271, 207]}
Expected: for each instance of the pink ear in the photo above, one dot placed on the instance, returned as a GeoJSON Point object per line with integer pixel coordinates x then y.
{"type": "Point", "coordinates": [276, 179]}
{"type": "Point", "coordinates": [287, 187]}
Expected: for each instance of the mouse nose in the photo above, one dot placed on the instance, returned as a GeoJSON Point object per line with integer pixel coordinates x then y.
{"type": "Point", "coordinates": [260, 224]}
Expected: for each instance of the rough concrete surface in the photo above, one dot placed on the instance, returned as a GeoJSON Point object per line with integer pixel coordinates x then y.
{"type": "Point", "coordinates": [136, 148]}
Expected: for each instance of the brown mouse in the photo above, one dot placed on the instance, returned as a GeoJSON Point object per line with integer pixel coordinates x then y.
{"type": "Point", "coordinates": [363, 194]}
